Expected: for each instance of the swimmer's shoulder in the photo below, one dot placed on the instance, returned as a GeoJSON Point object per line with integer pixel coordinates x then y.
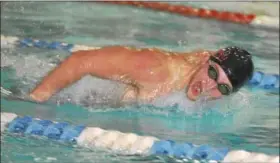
{"type": "Point", "coordinates": [197, 56]}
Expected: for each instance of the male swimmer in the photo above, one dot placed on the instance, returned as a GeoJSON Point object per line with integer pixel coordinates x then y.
{"type": "Point", "coordinates": [151, 73]}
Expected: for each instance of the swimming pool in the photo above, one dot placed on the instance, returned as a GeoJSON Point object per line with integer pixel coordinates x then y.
{"type": "Point", "coordinates": [252, 125]}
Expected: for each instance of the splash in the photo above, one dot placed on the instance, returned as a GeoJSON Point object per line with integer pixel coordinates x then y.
{"type": "Point", "coordinates": [176, 99]}
{"type": "Point", "coordinates": [92, 92]}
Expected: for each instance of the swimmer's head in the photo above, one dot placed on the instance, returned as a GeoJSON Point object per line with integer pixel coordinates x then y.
{"type": "Point", "coordinates": [225, 73]}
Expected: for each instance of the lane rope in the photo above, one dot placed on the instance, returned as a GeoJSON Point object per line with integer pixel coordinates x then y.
{"type": "Point", "coordinates": [189, 11]}
{"type": "Point", "coordinates": [124, 143]}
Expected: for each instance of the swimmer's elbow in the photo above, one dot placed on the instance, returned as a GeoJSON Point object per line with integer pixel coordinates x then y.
{"type": "Point", "coordinates": [81, 62]}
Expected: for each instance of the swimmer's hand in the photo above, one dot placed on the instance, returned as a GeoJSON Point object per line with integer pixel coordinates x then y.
{"type": "Point", "coordinates": [40, 96]}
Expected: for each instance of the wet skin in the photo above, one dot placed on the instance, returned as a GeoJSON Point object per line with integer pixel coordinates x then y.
{"type": "Point", "coordinates": [148, 73]}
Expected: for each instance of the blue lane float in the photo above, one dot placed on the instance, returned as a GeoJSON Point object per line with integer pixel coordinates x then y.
{"type": "Point", "coordinates": [28, 42]}
{"type": "Point", "coordinates": [261, 80]}
{"type": "Point", "coordinates": [268, 82]}
{"type": "Point", "coordinates": [125, 143]}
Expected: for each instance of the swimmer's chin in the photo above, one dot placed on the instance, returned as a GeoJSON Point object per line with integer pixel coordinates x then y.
{"type": "Point", "coordinates": [190, 96]}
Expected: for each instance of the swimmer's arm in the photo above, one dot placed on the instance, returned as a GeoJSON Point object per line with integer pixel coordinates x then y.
{"type": "Point", "coordinates": [103, 63]}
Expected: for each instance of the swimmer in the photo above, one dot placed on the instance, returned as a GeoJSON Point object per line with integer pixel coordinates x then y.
{"type": "Point", "coordinates": [150, 73]}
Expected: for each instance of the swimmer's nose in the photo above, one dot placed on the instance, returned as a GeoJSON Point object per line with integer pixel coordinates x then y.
{"type": "Point", "coordinates": [210, 84]}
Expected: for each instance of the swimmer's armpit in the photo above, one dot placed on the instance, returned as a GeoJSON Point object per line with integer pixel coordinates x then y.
{"type": "Point", "coordinates": [130, 94]}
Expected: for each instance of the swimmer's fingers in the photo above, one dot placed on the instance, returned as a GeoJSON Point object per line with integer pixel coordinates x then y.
{"type": "Point", "coordinates": [9, 95]}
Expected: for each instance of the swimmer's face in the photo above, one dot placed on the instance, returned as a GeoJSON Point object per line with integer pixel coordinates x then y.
{"type": "Point", "coordinates": [210, 79]}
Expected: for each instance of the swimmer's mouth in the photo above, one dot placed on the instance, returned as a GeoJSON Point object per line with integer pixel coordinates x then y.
{"type": "Point", "coordinates": [196, 88]}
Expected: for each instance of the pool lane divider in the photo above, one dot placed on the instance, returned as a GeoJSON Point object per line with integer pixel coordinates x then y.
{"type": "Point", "coordinates": [124, 143]}
{"type": "Point", "coordinates": [190, 11]}
{"type": "Point", "coordinates": [260, 80]}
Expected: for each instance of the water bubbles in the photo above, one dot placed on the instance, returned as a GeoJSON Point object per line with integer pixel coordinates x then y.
{"type": "Point", "coordinates": [182, 43]}
{"type": "Point", "coordinates": [176, 99]}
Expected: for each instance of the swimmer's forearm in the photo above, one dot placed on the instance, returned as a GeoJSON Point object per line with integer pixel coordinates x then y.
{"type": "Point", "coordinates": [105, 63]}
{"type": "Point", "coordinates": [69, 71]}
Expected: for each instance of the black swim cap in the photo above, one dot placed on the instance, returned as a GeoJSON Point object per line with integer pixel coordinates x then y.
{"type": "Point", "coordinates": [236, 63]}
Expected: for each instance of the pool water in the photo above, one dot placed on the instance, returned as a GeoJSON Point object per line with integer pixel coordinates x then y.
{"type": "Point", "coordinates": [248, 120]}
